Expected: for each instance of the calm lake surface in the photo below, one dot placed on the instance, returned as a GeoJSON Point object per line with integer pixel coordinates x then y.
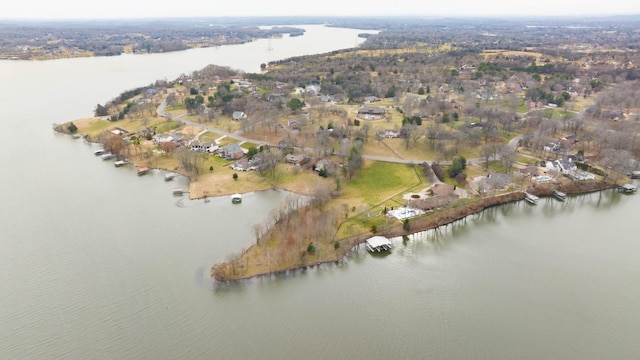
{"type": "Point", "coordinates": [98, 263]}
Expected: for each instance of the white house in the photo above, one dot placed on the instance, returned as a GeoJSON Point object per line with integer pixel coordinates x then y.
{"type": "Point", "coordinates": [210, 147]}
{"type": "Point", "coordinates": [162, 138]}
{"type": "Point", "coordinates": [239, 115]}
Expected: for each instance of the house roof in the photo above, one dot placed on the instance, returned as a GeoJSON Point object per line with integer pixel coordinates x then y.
{"type": "Point", "coordinates": [374, 110]}
{"type": "Point", "coordinates": [377, 241]}
{"type": "Point", "coordinates": [442, 189]}
{"type": "Point", "coordinates": [239, 114]}
{"type": "Point", "coordinates": [233, 148]}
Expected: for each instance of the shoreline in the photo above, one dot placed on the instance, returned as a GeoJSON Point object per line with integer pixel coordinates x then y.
{"type": "Point", "coordinates": [431, 221]}
{"type": "Point", "coordinates": [199, 189]}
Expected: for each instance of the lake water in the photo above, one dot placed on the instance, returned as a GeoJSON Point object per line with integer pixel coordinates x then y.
{"type": "Point", "coordinates": [98, 263]}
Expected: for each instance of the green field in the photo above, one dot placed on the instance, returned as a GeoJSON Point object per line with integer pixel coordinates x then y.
{"type": "Point", "coordinates": [382, 180]}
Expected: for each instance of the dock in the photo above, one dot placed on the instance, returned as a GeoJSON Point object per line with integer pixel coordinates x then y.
{"type": "Point", "coordinates": [627, 188]}
{"type": "Point", "coordinates": [378, 244]}
{"type": "Point", "coordinates": [559, 195]}
{"type": "Point", "coordinates": [108, 156]}
{"type": "Point", "coordinates": [143, 170]}
{"type": "Point", "coordinates": [170, 176]}
{"type": "Point", "coordinates": [178, 192]}
{"type": "Point", "coordinates": [531, 199]}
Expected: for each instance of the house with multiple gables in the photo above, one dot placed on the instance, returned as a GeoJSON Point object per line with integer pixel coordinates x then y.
{"type": "Point", "coordinates": [164, 138]}
{"type": "Point", "coordinates": [298, 159]}
{"type": "Point", "coordinates": [231, 152]}
{"type": "Point", "coordinates": [440, 195]}
{"type": "Point", "coordinates": [389, 133]}
{"type": "Point", "coordinates": [208, 147]}
{"type": "Point", "coordinates": [563, 165]}
{"type": "Point", "coordinates": [371, 112]}
{"type": "Point", "coordinates": [244, 164]}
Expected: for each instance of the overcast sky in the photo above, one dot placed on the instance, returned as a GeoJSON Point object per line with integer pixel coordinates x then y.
{"type": "Point", "coordinates": [74, 9]}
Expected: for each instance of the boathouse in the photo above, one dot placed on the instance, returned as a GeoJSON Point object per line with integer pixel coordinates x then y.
{"type": "Point", "coordinates": [378, 244]}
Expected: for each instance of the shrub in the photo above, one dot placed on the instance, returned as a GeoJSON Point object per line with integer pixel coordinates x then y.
{"type": "Point", "coordinates": [311, 248]}
{"type": "Point", "coordinates": [72, 128]}
{"type": "Point", "coordinates": [438, 170]}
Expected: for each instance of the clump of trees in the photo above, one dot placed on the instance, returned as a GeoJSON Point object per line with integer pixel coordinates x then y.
{"type": "Point", "coordinates": [458, 165]}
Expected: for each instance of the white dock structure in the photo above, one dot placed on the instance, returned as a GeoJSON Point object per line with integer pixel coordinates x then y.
{"type": "Point", "coordinates": [236, 198]}
{"type": "Point", "coordinates": [378, 244]}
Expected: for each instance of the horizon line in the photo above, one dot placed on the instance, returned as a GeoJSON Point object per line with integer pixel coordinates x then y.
{"type": "Point", "coordinates": [505, 16]}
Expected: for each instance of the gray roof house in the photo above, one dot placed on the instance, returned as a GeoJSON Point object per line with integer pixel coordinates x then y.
{"type": "Point", "coordinates": [564, 165]}
{"type": "Point", "coordinates": [232, 152]}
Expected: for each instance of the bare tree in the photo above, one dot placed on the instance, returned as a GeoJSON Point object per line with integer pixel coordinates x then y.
{"type": "Point", "coordinates": [190, 161]}
{"type": "Point", "coordinates": [507, 157]}
{"type": "Point", "coordinates": [267, 161]}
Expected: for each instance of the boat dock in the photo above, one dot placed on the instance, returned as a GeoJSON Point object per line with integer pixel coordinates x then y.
{"type": "Point", "coordinates": [170, 176]}
{"type": "Point", "coordinates": [378, 244]}
{"type": "Point", "coordinates": [178, 192]}
{"type": "Point", "coordinates": [627, 188]}
{"type": "Point", "coordinates": [143, 170]}
{"type": "Point", "coordinates": [559, 195]}
{"type": "Point", "coordinates": [531, 199]}
{"type": "Point", "coordinates": [108, 156]}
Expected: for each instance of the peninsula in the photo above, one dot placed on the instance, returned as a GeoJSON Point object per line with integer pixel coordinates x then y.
{"type": "Point", "coordinates": [439, 121]}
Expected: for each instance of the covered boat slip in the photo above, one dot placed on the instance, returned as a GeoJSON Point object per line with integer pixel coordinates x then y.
{"type": "Point", "coordinates": [559, 195]}
{"type": "Point", "coordinates": [628, 188]}
{"type": "Point", "coordinates": [378, 244]}
{"type": "Point", "coordinates": [531, 199]}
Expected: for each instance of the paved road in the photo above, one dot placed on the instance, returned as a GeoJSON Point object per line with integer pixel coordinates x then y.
{"type": "Point", "coordinates": [237, 136]}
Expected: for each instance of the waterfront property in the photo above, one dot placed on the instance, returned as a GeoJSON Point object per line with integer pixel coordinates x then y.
{"type": "Point", "coordinates": [378, 244]}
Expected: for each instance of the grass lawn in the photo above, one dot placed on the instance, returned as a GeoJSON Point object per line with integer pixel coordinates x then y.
{"type": "Point", "coordinates": [208, 137]}
{"type": "Point", "coordinates": [378, 185]}
{"type": "Point", "coordinates": [378, 181]}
